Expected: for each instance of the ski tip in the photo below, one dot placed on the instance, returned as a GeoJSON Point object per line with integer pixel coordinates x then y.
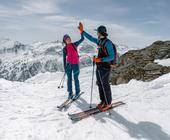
{"type": "Point", "coordinates": [123, 103]}
{"type": "Point", "coordinates": [69, 114]}
{"type": "Point", "coordinates": [59, 108]}
{"type": "Point", "coordinates": [119, 102]}
{"type": "Point", "coordinates": [74, 120]}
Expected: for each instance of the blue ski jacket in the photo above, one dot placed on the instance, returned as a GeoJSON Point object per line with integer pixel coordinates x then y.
{"type": "Point", "coordinates": [108, 45]}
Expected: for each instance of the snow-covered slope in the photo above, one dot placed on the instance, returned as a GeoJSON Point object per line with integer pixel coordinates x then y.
{"type": "Point", "coordinates": [28, 110]}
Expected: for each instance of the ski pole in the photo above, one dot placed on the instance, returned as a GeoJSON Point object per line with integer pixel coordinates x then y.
{"type": "Point", "coordinates": [92, 85]}
{"type": "Point", "coordinates": [62, 81]}
{"type": "Point", "coordinates": [61, 85]}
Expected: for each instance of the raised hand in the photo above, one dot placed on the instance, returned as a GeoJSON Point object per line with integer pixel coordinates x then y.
{"type": "Point", "coordinates": [80, 27]}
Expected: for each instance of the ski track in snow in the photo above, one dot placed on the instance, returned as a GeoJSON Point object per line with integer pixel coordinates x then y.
{"type": "Point", "coordinates": [28, 111]}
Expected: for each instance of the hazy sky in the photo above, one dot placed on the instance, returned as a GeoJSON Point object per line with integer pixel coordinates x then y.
{"type": "Point", "coordinates": [129, 22]}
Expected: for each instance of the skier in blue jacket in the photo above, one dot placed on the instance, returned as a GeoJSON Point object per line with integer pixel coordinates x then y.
{"type": "Point", "coordinates": [106, 54]}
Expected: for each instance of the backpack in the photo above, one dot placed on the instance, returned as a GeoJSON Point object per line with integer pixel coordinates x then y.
{"type": "Point", "coordinates": [112, 63]}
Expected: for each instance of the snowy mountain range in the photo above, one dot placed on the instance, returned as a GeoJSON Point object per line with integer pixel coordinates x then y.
{"type": "Point", "coordinates": [19, 62]}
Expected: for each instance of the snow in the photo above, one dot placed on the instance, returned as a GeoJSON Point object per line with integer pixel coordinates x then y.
{"type": "Point", "coordinates": [164, 62]}
{"type": "Point", "coordinates": [28, 110]}
{"type": "Point", "coordinates": [6, 43]}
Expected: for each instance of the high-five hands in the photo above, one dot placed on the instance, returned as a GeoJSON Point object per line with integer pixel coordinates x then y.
{"type": "Point", "coordinates": [80, 27]}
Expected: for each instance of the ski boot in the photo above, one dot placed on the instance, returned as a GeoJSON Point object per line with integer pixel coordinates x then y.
{"type": "Point", "coordinates": [104, 107]}
{"type": "Point", "coordinates": [70, 97]}
{"type": "Point", "coordinates": [101, 105]}
{"type": "Point", "coordinates": [76, 96]}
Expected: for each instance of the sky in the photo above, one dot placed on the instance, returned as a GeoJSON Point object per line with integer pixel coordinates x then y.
{"type": "Point", "coordinates": [135, 23]}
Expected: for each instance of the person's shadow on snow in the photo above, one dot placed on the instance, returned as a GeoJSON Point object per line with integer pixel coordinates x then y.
{"type": "Point", "coordinates": [83, 104]}
{"type": "Point", "coordinates": [80, 103]}
{"type": "Point", "coordinates": [146, 130]}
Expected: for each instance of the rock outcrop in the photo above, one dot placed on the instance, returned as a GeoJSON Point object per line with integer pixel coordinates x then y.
{"type": "Point", "coordinates": [140, 65]}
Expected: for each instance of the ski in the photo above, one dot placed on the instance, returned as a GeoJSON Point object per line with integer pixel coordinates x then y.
{"type": "Point", "coordinates": [82, 115]}
{"type": "Point", "coordinates": [88, 111]}
{"type": "Point", "coordinates": [60, 107]}
{"type": "Point", "coordinates": [68, 102]}
{"type": "Point", "coordinates": [83, 112]}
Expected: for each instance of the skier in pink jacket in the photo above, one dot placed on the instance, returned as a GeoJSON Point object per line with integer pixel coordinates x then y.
{"type": "Point", "coordinates": [71, 64]}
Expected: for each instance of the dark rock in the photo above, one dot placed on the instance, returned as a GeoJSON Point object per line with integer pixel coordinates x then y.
{"type": "Point", "coordinates": [139, 64]}
{"type": "Point", "coordinates": [35, 68]}
{"type": "Point", "coordinates": [152, 66]}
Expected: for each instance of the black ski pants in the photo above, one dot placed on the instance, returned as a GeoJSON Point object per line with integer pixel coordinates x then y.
{"type": "Point", "coordinates": [102, 75]}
